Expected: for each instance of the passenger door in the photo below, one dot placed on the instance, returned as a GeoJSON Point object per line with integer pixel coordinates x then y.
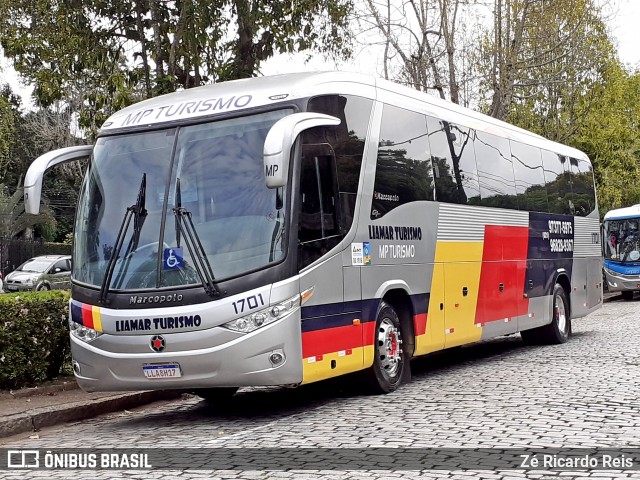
{"type": "Point", "coordinates": [329, 333]}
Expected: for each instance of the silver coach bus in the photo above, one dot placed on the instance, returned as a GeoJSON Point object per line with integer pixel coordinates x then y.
{"type": "Point", "coordinates": [288, 229]}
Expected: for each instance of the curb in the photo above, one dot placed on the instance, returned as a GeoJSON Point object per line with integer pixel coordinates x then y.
{"type": "Point", "coordinates": [49, 416]}
{"type": "Point", "coordinates": [46, 390]}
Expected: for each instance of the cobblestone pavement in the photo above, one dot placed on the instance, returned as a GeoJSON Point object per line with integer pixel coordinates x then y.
{"type": "Point", "coordinates": [500, 393]}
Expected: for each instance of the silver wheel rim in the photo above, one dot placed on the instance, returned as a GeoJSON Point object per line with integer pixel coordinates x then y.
{"type": "Point", "coordinates": [560, 314]}
{"type": "Point", "coordinates": [389, 347]}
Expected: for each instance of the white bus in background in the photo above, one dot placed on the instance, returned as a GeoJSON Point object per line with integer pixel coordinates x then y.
{"type": "Point", "coordinates": [284, 230]}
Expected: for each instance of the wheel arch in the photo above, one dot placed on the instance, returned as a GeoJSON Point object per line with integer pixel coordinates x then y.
{"type": "Point", "coordinates": [43, 283]}
{"type": "Point", "coordinates": [562, 279]}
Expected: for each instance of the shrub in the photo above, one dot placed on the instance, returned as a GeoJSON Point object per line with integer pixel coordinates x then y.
{"type": "Point", "coordinates": [34, 337]}
{"type": "Point", "coordinates": [52, 248]}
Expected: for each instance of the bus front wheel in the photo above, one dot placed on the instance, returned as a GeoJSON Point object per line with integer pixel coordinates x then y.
{"type": "Point", "coordinates": [559, 330]}
{"type": "Point", "coordinates": [390, 362]}
{"type": "Point", "coordinates": [220, 396]}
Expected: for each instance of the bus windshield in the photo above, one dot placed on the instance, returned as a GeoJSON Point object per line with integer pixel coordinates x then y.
{"type": "Point", "coordinates": [208, 177]}
{"type": "Point", "coordinates": [622, 240]}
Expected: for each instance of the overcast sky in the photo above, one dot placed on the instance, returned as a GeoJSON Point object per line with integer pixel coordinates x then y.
{"type": "Point", "coordinates": [624, 24]}
{"type": "Point", "coordinates": [625, 27]}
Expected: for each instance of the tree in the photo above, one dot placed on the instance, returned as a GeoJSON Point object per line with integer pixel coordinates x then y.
{"type": "Point", "coordinates": [538, 57]}
{"type": "Point", "coordinates": [112, 53]}
{"type": "Point", "coordinates": [424, 42]}
{"type": "Point", "coordinates": [10, 119]}
{"type": "Point", "coordinates": [13, 218]}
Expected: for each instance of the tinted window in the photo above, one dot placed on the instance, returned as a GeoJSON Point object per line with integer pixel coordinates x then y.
{"type": "Point", "coordinates": [583, 192]}
{"type": "Point", "coordinates": [403, 170]}
{"type": "Point", "coordinates": [464, 155]}
{"type": "Point", "coordinates": [317, 195]}
{"type": "Point", "coordinates": [347, 141]}
{"type": "Point", "coordinates": [530, 183]}
{"type": "Point", "coordinates": [495, 171]}
{"type": "Point", "coordinates": [558, 182]}
{"type": "Point", "coordinates": [318, 222]}
{"type": "Point", "coordinates": [454, 165]}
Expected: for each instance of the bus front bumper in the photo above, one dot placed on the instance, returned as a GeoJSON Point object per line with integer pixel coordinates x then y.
{"type": "Point", "coordinates": [247, 360]}
{"type": "Point", "coordinates": [619, 283]}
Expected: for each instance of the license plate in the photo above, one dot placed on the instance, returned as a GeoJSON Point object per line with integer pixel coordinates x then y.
{"type": "Point", "coordinates": [11, 287]}
{"type": "Point", "coordinates": [154, 372]}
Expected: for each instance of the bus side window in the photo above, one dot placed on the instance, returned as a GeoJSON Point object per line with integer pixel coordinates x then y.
{"type": "Point", "coordinates": [454, 162]}
{"type": "Point", "coordinates": [403, 166]}
{"type": "Point", "coordinates": [558, 181]}
{"type": "Point", "coordinates": [495, 171]}
{"type": "Point", "coordinates": [530, 181]}
{"type": "Point", "coordinates": [318, 222]}
{"type": "Point", "coordinates": [582, 188]}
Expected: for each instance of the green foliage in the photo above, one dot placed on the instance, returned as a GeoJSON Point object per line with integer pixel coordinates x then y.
{"type": "Point", "coordinates": [34, 337]}
{"type": "Point", "coordinates": [68, 239]}
{"type": "Point", "coordinates": [9, 131]}
{"type": "Point", "coordinates": [114, 53]}
{"type": "Point", "coordinates": [55, 248]}
{"type": "Point", "coordinates": [14, 219]}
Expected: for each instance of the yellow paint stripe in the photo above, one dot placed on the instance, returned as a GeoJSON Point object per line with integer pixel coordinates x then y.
{"type": "Point", "coordinates": [97, 320]}
{"type": "Point", "coordinates": [319, 370]}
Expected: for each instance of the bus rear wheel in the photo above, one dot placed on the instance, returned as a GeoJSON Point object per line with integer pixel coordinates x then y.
{"type": "Point", "coordinates": [390, 362]}
{"type": "Point", "coordinates": [559, 330]}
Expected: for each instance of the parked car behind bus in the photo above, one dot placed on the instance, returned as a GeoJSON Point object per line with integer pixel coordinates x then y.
{"type": "Point", "coordinates": [47, 272]}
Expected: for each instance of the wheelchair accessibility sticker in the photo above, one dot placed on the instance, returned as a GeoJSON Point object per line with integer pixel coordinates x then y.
{"type": "Point", "coordinates": [173, 258]}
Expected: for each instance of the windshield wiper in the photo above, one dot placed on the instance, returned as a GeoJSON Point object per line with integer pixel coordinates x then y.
{"type": "Point", "coordinates": [186, 228]}
{"type": "Point", "coordinates": [139, 213]}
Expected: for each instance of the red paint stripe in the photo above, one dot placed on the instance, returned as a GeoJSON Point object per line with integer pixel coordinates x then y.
{"type": "Point", "coordinates": [87, 316]}
{"type": "Point", "coordinates": [420, 324]}
{"type": "Point", "coordinates": [329, 340]}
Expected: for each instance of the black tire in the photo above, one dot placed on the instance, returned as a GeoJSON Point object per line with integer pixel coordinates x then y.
{"type": "Point", "coordinates": [218, 397]}
{"type": "Point", "coordinates": [390, 363]}
{"type": "Point", "coordinates": [627, 295]}
{"type": "Point", "coordinates": [530, 337]}
{"type": "Point", "coordinates": [42, 287]}
{"type": "Point", "coordinates": [559, 330]}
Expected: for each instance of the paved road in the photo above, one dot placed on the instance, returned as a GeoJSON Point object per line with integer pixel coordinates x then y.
{"type": "Point", "coordinates": [501, 393]}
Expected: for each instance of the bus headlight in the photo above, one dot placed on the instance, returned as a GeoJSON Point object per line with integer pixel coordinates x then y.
{"type": "Point", "coordinates": [254, 321]}
{"type": "Point", "coordinates": [83, 333]}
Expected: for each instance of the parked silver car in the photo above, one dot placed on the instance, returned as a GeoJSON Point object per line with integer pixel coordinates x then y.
{"type": "Point", "coordinates": [47, 272]}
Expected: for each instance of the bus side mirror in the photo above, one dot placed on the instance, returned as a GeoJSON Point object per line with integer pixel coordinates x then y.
{"type": "Point", "coordinates": [280, 139]}
{"type": "Point", "coordinates": [35, 174]}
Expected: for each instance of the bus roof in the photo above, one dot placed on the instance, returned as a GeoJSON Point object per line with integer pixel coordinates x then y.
{"type": "Point", "coordinates": [236, 95]}
{"type": "Point", "coordinates": [622, 213]}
